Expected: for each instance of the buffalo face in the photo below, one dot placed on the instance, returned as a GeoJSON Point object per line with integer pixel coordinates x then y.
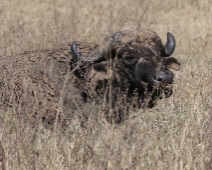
{"type": "Point", "coordinates": [147, 72]}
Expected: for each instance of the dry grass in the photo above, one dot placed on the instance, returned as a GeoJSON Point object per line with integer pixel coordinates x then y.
{"type": "Point", "coordinates": [176, 134]}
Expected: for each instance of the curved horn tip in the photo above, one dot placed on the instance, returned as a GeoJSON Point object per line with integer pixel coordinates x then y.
{"type": "Point", "coordinates": [74, 49]}
{"type": "Point", "coordinates": [170, 36]}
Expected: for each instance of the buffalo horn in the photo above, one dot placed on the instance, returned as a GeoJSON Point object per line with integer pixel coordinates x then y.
{"type": "Point", "coordinates": [170, 45]}
{"type": "Point", "coordinates": [74, 50]}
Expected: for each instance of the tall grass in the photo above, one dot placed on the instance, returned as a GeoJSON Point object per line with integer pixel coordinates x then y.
{"type": "Point", "coordinates": [176, 134]}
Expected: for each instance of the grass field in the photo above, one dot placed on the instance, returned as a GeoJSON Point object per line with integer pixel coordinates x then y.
{"type": "Point", "coordinates": [176, 134]}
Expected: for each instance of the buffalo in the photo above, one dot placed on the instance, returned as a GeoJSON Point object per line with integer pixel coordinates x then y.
{"type": "Point", "coordinates": [127, 70]}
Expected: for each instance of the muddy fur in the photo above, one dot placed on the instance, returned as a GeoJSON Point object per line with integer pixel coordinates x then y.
{"type": "Point", "coordinates": [40, 85]}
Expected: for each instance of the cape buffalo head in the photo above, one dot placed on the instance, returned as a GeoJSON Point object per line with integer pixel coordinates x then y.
{"type": "Point", "coordinates": [132, 61]}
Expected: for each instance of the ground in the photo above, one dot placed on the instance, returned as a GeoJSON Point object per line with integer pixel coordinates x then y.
{"type": "Point", "coordinates": [176, 134]}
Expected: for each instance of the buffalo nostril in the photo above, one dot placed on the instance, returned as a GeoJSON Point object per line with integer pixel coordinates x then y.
{"type": "Point", "coordinates": [159, 79]}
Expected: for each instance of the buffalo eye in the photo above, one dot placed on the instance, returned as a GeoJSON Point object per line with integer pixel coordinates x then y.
{"type": "Point", "coordinates": [129, 58]}
{"type": "Point", "coordinates": [126, 56]}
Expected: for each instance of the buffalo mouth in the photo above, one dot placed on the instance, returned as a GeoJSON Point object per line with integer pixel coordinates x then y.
{"type": "Point", "coordinates": [159, 90]}
{"type": "Point", "coordinates": [163, 91]}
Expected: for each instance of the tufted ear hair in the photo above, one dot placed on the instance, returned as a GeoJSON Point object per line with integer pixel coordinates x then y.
{"type": "Point", "coordinates": [171, 62]}
{"type": "Point", "coordinates": [101, 71]}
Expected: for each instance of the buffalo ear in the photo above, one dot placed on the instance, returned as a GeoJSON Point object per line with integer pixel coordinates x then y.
{"type": "Point", "coordinates": [171, 63]}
